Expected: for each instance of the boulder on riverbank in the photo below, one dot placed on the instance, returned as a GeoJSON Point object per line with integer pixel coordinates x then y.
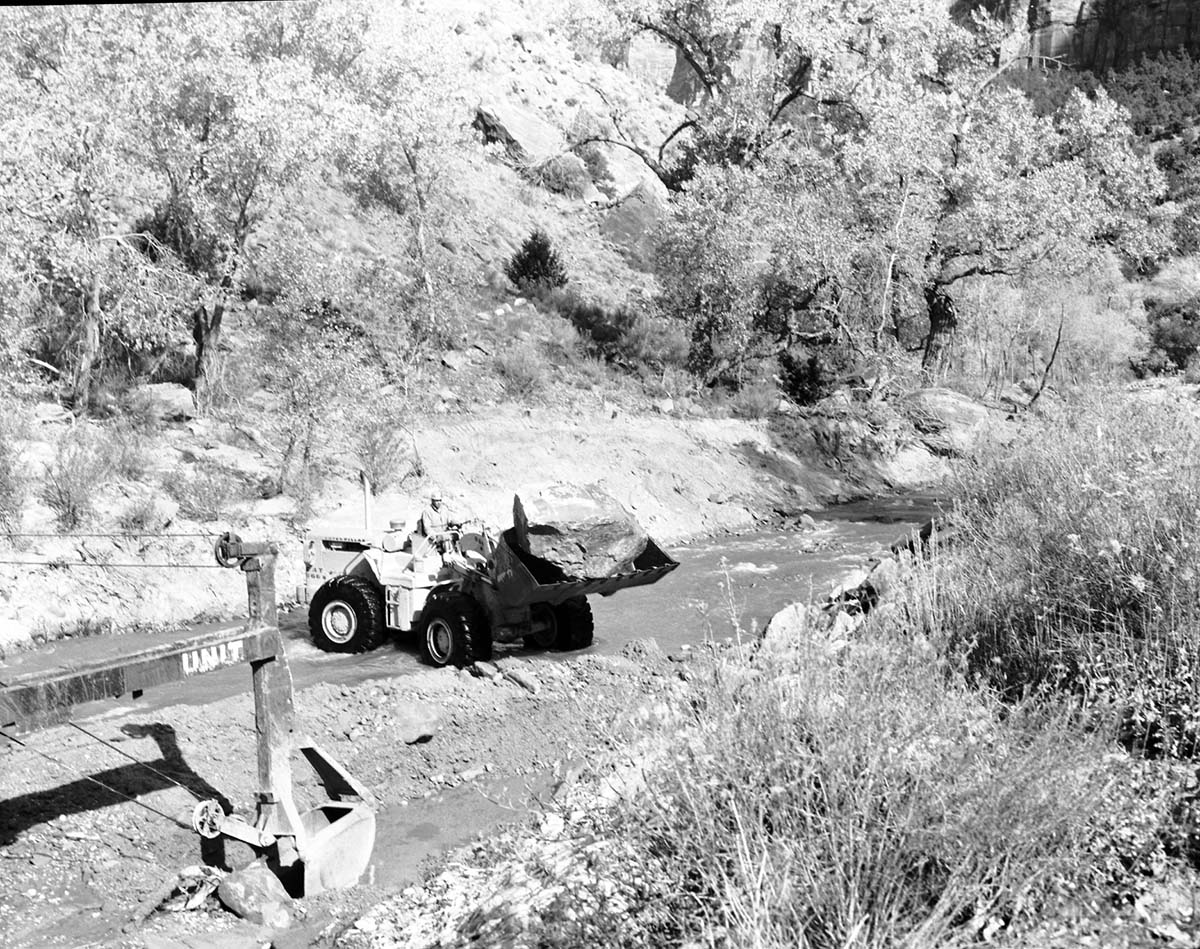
{"type": "Point", "coordinates": [949, 422]}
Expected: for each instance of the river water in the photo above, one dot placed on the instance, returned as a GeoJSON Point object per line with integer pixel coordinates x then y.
{"type": "Point", "coordinates": [723, 586]}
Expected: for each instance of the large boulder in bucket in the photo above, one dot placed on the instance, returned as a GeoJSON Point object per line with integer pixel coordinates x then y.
{"type": "Point", "coordinates": [582, 529]}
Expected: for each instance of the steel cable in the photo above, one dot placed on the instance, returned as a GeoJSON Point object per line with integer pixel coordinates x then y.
{"type": "Point", "coordinates": [124, 535]}
{"type": "Point", "coordinates": [88, 563]}
{"type": "Point", "coordinates": [126, 754]}
{"type": "Point", "coordinates": [87, 777]}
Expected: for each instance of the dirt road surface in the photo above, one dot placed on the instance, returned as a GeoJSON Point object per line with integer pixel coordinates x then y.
{"type": "Point", "coordinates": [78, 861]}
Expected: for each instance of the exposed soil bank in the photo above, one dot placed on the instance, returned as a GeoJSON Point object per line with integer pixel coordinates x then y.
{"type": "Point", "coordinates": [682, 477]}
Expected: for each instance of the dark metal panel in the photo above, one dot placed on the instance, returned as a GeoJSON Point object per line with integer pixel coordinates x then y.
{"type": "Point", "coordinates": [38, 700]}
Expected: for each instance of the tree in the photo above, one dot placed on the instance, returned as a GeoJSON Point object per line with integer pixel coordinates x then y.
{"type": "Point", "coordinates": [1022, 193]}
{"type": "Point", "coordinates": [766, 68]}
{"type": "Point", "coordinates": [240, 108]}
{"type": "Point", "coordinates": [897, 119]}
{"type": "Point", "coordinates": [754, 262]}
{"type": "Point", "coordinates": [64, 172]}
{"type": "Point", "coordinates": [406, 122]}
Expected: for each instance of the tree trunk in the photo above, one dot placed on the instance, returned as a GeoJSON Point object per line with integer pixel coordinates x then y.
{"type": "Point", "coordinates": [410, 155]}
{"type": "Point", "coordinates": [206, 332]}
{"type": "Point", "coordinates": [943, 321]}
{"type": "Point", "coordinates": [89, 348]}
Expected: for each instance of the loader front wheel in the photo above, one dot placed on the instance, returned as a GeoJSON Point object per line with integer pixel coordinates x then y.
{"type": "Point", "coordinates": [545, 620]}
{"type": "Point", "coordinates": [454, 631]}
{"type": "Point", "coordinates": [346, 616]}
{"type": "Point", "coordinates": [576, 626]}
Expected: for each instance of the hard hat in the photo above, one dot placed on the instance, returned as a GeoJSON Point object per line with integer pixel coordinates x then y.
{"type": "Point", "coordinates": [435, 494]}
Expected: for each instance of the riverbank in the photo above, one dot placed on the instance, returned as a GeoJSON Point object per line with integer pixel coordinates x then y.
{"type": "Point", "coordinates": [683, 476]}
{"type": "Point", "coordinates": [1001, 750]}
{"type": "Point", "coordinates": [76, 859]}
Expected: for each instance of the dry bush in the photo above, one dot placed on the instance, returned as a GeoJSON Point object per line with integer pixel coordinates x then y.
{"type": "Point", "coordinates": [138, 411]}
{"type": "Point", "coordinates": [384, 448]}
{"type": "Point", "coordinates": [755, 401]}
{"type": "Point", "coordinates": [140, 514]}
{"type": "Point", "coordinates": [205, 493]}
{"type": "Point", "coordinates": [1076, 568]}
{"type": "Point", "coordinates": [128, 451]}
{"type": "Point", "coordinates": [1008, 329]}
{"type": "Point", "coordinates": [562, 339]}
{"type": "Point", "coordinates": [229, 379]}
{"type": "Point", "coordinates": [563, 174]}
{"type": "Point", "coordinates": [622, 334]}
{"type": "Point", "coordinates": [522, 371]}
{"type": "Point", "coordinates": [82, 463]}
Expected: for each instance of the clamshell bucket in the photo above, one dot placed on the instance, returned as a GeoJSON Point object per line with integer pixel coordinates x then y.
{"type": "Point", "coordinates": [340, 840]}
{"type": "Point", "coordinates": [338, 836]}
{"type": "Point", "coordinates": [523, 579]}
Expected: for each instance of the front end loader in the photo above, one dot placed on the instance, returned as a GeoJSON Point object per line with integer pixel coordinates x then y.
{"type": "Point", "coordinates": [459, 594]}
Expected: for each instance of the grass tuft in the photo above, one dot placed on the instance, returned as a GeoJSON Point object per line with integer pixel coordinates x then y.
{"type": "Point", "coordinates": [864, 796]}
{"type": "Point", "coordinates": [82, 463]}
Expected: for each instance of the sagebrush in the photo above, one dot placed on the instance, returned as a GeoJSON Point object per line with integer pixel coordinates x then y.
{"type": "Point", "coordinates": [81, 465]}
{"type": "Point", "coordinates": [1076, 568]}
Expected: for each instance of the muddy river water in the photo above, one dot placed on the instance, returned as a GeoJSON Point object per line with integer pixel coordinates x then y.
{"type": "Point", "coordinates": [722, 586]}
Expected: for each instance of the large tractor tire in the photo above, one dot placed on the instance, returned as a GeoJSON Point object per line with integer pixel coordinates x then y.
{"type": "Point", "coordinates": [346, 616]}
{"type": "Point", "coordinates": [575, 624]}
{"type": "Point", "coordinates": [546, 617]}
{"type": "Point", "coordinates": [454, 631]}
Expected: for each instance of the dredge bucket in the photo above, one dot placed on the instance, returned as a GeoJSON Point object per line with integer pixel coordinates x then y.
{"type": "Point", "coordinates": [336, 837]}
{"type": "Point", "coordinates": [340, 838]}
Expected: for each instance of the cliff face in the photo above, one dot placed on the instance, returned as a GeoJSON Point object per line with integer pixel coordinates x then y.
{"type": "Point", "coordinates": [1105, 34]}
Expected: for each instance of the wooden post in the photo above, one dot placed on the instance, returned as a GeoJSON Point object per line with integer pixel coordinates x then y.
{"type": "Point", "coordinates": [274, 714]}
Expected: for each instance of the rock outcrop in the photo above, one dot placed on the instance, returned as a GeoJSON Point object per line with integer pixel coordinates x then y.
{"type": "Point", "coordinates": [949, 422]}
{"type": "Point", "coordinates": [168, 401]}
{"type": "Point", "coordinates": [1100, 34]}
{"type": "Point", "coordinates": [630, 225]}
{"type": "Point", "coordinates": [526, 136]}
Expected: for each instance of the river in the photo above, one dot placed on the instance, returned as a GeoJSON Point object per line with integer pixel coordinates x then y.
{"type": "Point", "coordinates": [723, 586]}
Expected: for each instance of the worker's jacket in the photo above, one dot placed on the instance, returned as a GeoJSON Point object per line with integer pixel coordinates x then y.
{"type": "Point", "coordinates": [434, 522]}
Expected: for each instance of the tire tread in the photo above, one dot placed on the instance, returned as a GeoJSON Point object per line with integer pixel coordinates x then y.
{"type": "Point", "coordinates": [363, 598]}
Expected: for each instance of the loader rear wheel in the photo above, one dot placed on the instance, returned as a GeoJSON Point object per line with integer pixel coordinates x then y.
{"type": "Point", "coordinates": [576, 625]}
{"type": "Point", "coordinates": [454, 631]}
{"type": "Point", "coordinates": [346, 616]}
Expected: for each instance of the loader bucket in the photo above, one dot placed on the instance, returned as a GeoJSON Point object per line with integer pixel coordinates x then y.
{"type": "Point", "coordinates": [339, 841]}
{"type": "Point", "coordinates": [523, 579]}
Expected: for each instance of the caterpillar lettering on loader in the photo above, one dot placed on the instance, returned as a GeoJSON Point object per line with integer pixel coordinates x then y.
{"type": "Point", "coordinates": [460, 591]}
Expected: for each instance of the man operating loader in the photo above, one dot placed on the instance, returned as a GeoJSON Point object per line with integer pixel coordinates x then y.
{"type": "Point", "coordinates": [438, 523]}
